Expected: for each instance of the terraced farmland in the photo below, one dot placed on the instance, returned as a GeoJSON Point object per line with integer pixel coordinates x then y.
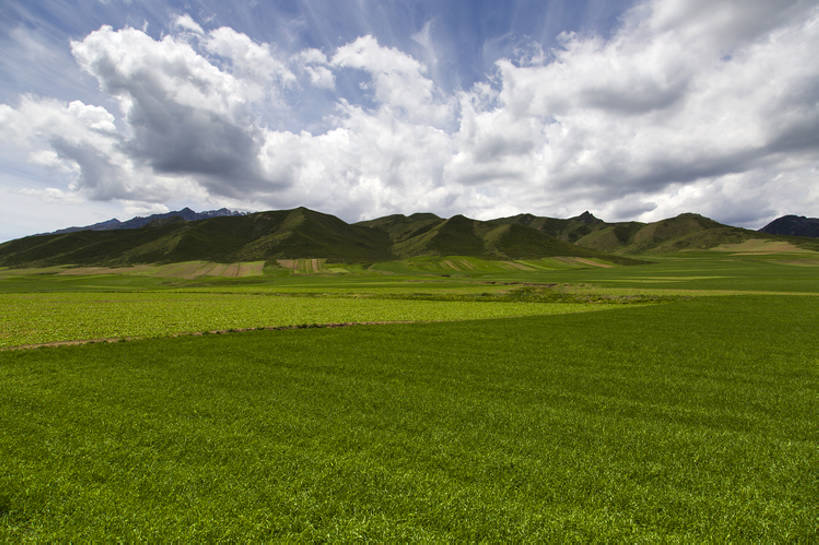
{"type": "Point", "coordinates": [186, 269]}
{"type": "Point", "coordinates": [476, 265]}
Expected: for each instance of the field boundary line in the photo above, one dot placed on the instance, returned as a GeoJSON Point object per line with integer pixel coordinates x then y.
{"type": "Point", "coordinates": [112, 340]}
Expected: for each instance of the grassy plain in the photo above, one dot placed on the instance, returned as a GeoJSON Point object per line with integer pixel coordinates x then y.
{"type": "Point", "coordinates": [688, 420]}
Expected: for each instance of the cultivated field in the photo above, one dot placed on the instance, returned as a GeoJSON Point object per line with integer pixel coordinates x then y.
{"type": "Point", "coordinates": [34, 318]}
{"type": "Point", "coordinates": [539, 402]}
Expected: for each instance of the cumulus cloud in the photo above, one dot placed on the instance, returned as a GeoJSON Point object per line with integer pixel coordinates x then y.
{"type": "Point", "coordinates": [399, 81]}
{"type": "Point", "coordinates": [184, 114]}
{"type": "Point", "coordinates": [81, 143]}
{"type": "Point", "coordinates": [250, 60]}
{"type": "Point", "coordinates": [315, 64]}
{"type": "Point", "coordinates": [680, 95]}
{"type": "Point", "coordinates": [686, 106]}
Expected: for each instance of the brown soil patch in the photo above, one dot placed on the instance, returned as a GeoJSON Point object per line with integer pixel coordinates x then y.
{"type": "Point", "coordinates": [187, 270]}
{"type": "Point", "coordinates": [301, 265]}
{"type": "Point", "coordinates": [82, 271]}
{"type": "Point", "coordinates": [519, 266]}
{"type": "Point", "coordinates": [287, 263]}
{"type": "Point", "coordinates": [205, 269]}
{"type": "Point", "coordinates": [572, 260]}
{"type": "Point", "coordinates": [251, 268]}
{"type": "Point", "coordinates": [759, 246]}
{"type": "Point", "coordinates": [593, 263]}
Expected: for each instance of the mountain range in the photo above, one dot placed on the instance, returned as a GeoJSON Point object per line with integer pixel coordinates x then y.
{"type": "Point", "coordinates": [227, 236]}
{"type": "Point", "coordinates": [141, 221]}
{"type": "Point", "coordinates": [799, 226]}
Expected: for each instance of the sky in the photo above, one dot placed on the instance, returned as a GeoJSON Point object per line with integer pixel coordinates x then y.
{"type": "Point", "coordinates": [633, 110]}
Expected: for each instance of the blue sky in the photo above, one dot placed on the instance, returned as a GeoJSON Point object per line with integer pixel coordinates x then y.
{"type": "Point", "coordinates": [633, 110]}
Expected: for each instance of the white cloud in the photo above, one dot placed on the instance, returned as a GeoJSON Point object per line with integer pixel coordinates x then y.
{"type": "Point", "coordinates": [400, 83]}
{"type": "Point", "coordinates": [140, 208]}
{"type": "Point", "coordinates": [51, 194]}
{"type": "Point", "coordinates": [250, 60]}
{"type": "Point", "coordinates": [687, 106]}
{"type": "Point", "coordinates": [363, 167]}
{"type": "Point", "coordinates": [183, 115]}
{"type": "Point", "coordinates": [678, 96]}
{"type": "Point", "coordinates": [315, 64]}
{"type": "Point", "coordinates": [81, 143]}
{"type": "Point", "coordinates": [128, 64]}
{"type": "Point", "coordinates": [186, 22]}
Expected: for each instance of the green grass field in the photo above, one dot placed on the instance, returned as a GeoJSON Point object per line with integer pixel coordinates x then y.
{"type": "Point", "coordinates": [518, 417]}
{"type": "Point", "coordinates": [33, 318]}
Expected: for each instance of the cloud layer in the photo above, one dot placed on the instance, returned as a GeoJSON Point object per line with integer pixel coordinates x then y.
{"type": "Point", "coordinates": [686, 106]}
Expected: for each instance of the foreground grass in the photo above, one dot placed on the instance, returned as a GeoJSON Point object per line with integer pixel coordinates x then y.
{"type": "Point", "coordinates": [687, 422]}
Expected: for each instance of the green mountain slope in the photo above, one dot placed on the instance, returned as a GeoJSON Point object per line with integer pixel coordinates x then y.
{"type": "Point", "coordinates": [264, 235]}
{"type": "Point", "coordinates": [427, 234]}
{"type": "Point", "coordinates": [399, 227]}
{"type": "Point", "coordinates": [303, 233]}
{"type": "Point", "coordinates": [568, 230]}
{"type": "Point", "coordinates": [684, 232]}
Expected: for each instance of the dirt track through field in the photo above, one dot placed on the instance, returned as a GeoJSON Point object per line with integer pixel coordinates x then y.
{"type": "Point", "coordinates": [111, 340]}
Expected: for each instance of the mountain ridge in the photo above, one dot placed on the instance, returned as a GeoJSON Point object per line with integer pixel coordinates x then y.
{"type": "Point", "coordinates": [141, 221]}
{"type": "Point", "coordinates": [304, 233]}
{"type": "Point", "coordinates": [793, 225]}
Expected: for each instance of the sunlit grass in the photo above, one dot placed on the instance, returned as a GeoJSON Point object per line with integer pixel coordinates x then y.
{"type": "Point", "coordinates": [42, 318]}
{"type": "Point", "coordinates": [687, 422]}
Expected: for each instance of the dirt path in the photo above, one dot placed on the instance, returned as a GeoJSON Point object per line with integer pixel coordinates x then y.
{"type": "Point", "coordinates": [110, 340]}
